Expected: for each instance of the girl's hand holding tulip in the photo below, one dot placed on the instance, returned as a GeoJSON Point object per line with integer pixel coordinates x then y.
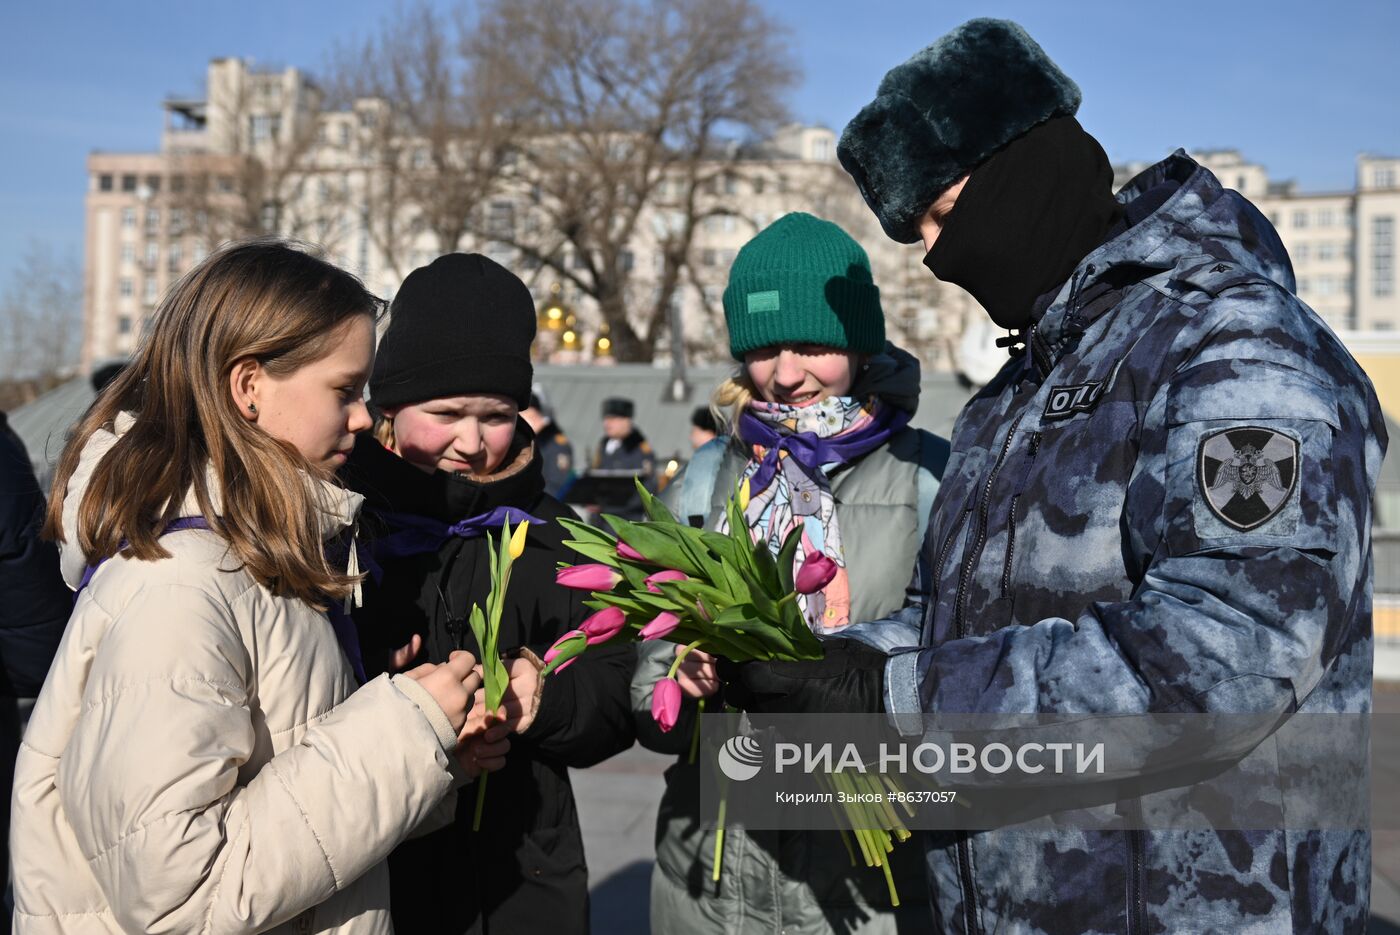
{"type": "Point", "coordinates": [696, 674]}
{"type": "Point", "coordinates": [518, 707]}
{"type": "Point", "coordinates": [480, 754]}
{"type": "Point", "coordinates": [451, 684]}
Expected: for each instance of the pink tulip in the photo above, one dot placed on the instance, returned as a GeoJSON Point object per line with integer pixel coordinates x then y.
{"type": "Point", "coordinates": [815, 574]}
{"type": "Point", "coordinates": [564, 665]}
{"type": "Point", "coordinates": [662, 624]}
{"type": "Point", "coordinates": [604, 625]}
{"type": "Point", "coordinates": [666, 703]}
{"type": "Point", "coordinates": [564, 642]}
{"type": "Point", "coordinates": [667, 575]}
{"type": "Point", "coordinates": [626, 551]}
{"type": "Point", "coordinates": [588, 577]}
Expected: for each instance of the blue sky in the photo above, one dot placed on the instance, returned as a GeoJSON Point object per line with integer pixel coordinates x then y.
{"type": "Point", "coordinates": [1299, 86]}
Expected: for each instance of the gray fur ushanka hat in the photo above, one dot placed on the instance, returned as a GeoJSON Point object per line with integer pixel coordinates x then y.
{"type": "Point", "coordinates": [944, 112]}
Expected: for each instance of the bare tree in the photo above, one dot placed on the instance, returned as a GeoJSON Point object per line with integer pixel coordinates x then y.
{"type": "Point", "coordinates": [630, 112]}
{"type": "Point", "coordinates": [41, 320]}
{"type": "Point", "coordinates": [441, 130]}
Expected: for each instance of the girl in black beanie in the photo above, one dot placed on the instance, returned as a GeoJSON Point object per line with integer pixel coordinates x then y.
{"type": "Point", "coordinates": [449, 460]}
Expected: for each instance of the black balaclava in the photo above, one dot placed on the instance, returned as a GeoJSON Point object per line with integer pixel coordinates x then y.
{"type": "Point", "coordinates": [1026, 218]}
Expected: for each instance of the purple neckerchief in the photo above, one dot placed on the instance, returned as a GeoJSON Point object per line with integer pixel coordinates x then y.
{"type": "Point", "coordinates": [411, 534]}
{"type": "Point", "coordinates": [812, 451]}
{"type": "Point", "coordinates": [341, 623]}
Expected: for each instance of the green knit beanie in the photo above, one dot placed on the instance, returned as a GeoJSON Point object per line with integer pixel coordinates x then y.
{"type": "Point", "coordinates": [803, 280]}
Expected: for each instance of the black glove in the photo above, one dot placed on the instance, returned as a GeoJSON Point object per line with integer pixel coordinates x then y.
{"type": "Point", "coordinates": [848, 679]}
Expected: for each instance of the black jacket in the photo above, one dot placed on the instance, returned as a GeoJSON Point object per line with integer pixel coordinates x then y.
{"type": "Point", "coordinates": [34, 604]}
{"type": "Point", "coordinates": [633, 456]}
{"type": "Point", "coordinates": [525, 870]}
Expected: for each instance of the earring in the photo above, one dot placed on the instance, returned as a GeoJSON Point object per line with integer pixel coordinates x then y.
{"type": "Point", "coordinates": [253, 409]}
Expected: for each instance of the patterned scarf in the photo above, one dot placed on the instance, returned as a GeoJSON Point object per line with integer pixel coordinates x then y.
{"type": "Point", "coordinates": [794, 449]}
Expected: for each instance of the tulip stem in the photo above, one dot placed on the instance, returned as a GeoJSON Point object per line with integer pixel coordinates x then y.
{"type": "Point", "coordinates": [695, 737]}
{"type": "Point", "coordinates": [680, 657]}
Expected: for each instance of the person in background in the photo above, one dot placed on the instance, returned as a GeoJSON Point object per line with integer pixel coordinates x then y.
{"type": "Point", "coordinates": [552, 446]}
{"type": "Point", "coordinates": [622, 450]}
{"type": "Point", "coordinates": [33, 612]}
{"type": "Point", "coordinates": [806, 323]}
{"type": "Point", "coordinates": [703, 427]}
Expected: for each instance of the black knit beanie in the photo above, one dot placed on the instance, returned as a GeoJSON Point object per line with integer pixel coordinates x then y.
{"type": "Point", "coordinates": [462, 324]}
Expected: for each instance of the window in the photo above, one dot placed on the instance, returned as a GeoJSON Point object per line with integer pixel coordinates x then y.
{"type": "Point", "coordinates": [150, 289]}
{"type": "Point", "coordinates": [225, 184]}
{"type": "Point", "coordinates": [420, 157]}
{"type": "Point", "coordinates": [821, 148]}
{"type": "Point", "coordinates": [269, 216]}
{"type": "Point", "coordinates": [708, 258]}
{"type": "Point", "coordinates": [1383, 255]}
{"type": "Point", "coordinates": [128, 217]}
{"type": "Point", "coordinates": [153, 217]}
{"type": "Point", "coordinates": [177, 183]}
{"type": "Point", "coordinates": [1274, 218]}
{"type": "Point", "coordinates": [1383, 325]}
{"type": "Point", "coordinates": [177, 220]}
{"type": "Point", "coordinates": [153, 183]}
{"type": "Point", "coordinates": [152, 254]}
{"type": "Point", "coordinates": [625, 260]}
{"type": "Point", "coordinates": [758, 185]}
{"type": "Point", "coordinates": [128, 183]}
{"type": "Point", "coordinates": [1326, 217]}
{"type": "Point", "coordinates": [1304, 285]}
{"type": "Point", "coordinates": [1241, 182]}
{"type": "Point", "coordinates": [1300, 253]}
{"type": "Point", "coordinates": [1326, 285]}
{"type": "Point", "coordinates": [173, 258]}
{"type": "Point", "coordinates": [104, 182]}
{"type": "Point", "coordinates": [344, 134]}
{"type": "Point", "coordinates": [1326, 250]}
{"type": "Point", "coordinates": [264, 127]}
{"type": "Point", "coordinates": [1383, 177]}
{"type": "Point", "coordinates": [128, 253]}
{"type": "Point", "coordinates": [125, 287]}
{"type": "Point", "coordinates": [1300, 219]}
{"type": "Point", "coordinates": [123, 324]}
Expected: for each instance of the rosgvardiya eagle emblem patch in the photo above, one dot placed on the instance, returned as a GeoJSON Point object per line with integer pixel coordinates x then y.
{"type": "Point", "coordinates": [1246, 474]}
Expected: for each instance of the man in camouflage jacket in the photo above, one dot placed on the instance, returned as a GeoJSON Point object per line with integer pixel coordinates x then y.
{"type": "Point", "coordinates": [1163, 505]}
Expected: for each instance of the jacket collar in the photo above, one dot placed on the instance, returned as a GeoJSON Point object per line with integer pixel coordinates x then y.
{"type": "Point", "coordinates": [388, 482]}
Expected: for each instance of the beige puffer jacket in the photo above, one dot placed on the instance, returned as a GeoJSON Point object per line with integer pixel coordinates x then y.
{"type": "Point", "coordinates": [200, 759]}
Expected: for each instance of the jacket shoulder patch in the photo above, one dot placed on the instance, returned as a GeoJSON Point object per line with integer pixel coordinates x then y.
{"type": "Point", "coordinates": [1245, 474]}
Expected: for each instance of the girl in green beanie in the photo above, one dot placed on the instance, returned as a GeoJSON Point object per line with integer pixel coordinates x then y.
{"type": "Point", "coordinates": [819, 412]}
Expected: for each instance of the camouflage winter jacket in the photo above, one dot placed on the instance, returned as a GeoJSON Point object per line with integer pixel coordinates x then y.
{"type": "Point", "coordinates": [1163, 506]}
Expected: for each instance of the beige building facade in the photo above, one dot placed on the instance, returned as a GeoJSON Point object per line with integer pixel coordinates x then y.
{"type": "Point", "coordinates": [146, 226]}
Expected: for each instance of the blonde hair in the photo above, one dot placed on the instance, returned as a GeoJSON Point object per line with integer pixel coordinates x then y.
{"type": "Point", "coordinates": [265, 300]}
{"type": "Point", "coordinates": [732, 397]}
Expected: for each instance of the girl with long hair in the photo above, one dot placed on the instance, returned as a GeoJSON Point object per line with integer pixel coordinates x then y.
{"type": "Point", "coordinates": [202, 757]}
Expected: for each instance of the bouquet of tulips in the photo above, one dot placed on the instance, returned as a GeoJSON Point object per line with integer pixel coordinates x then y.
{"type": "Point", "coordinates": [720, 592]}
{"type": "Point", "coordinates": [663, 579]}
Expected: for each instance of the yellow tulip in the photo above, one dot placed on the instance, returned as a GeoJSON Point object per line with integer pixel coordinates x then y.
{"type": "Point", "coordinates": [744, 495]}
{"type": "Point", "coordinates": [517, 539]}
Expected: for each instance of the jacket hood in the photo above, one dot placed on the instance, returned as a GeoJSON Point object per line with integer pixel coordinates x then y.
{"type": "Point", "coordinates": [1178, 217]}
{"type": "Point", "coordinates": [338, 506]}
{"type": "Point", "coordinates": [893, 375]}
